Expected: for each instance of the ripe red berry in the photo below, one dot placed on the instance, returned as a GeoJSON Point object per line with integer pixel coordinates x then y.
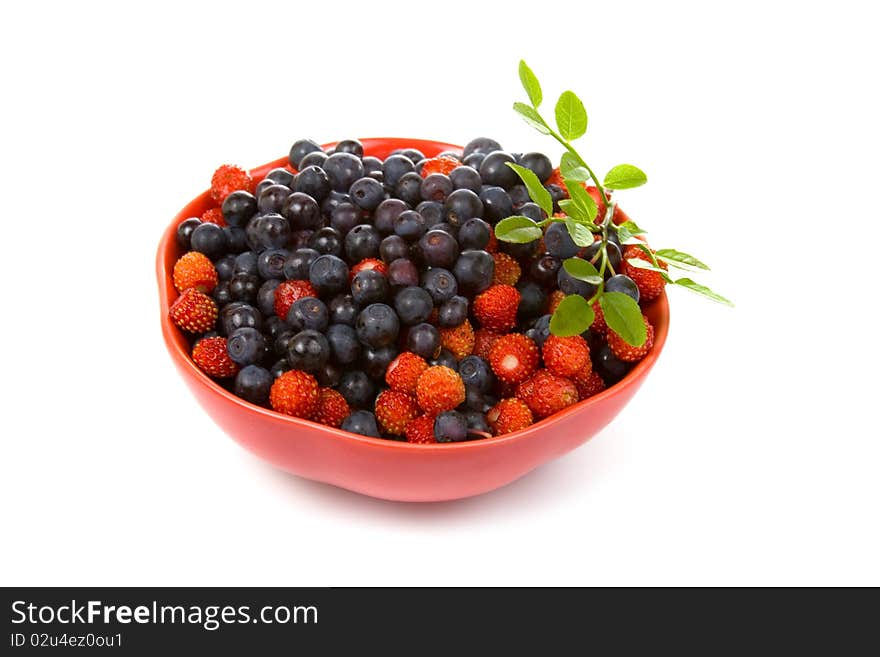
{"type": "Point", "coordinates": [395, 410]}
{"type": "Point", "coordinates": [545, 393]}
{"type": "Point", "coordinates": [564, 356]}
{"type": "Point", "coordinates": [627, 352]}
{"type": "Point", "coordinates": [514, 358]}
{"type": "Point", "coordinates": [229, 178]}
{"type": "Point", "coordinates": [459, 339]}
{"type": "Point", "coordinates": [599, 327]}
{"type": "Point", "coordinates": [211, 357]}
{"type": "Point", "coordinates": [368, 263]}
{"type": "Point", "coordinates": [650, 283]}
{"type": "Point", "coordinates": [509, 415]}
{"type": "Point", "coordinates": [289, 291]}
{"type": "Point", "coordinates": [295, 393]}
{"type": "Point", "coordinates": [588, 383]}
{"type": "Point", "coordinates": [557, 179]}
{"type": "Point", "coordinates": [196, 270]}
{"type": "Point", "coordinates": [484, 339]}
{"type": "Point", "coordinates": [213, 216]}
{"type": "Point", "coordinates": [404, 371]}
{"type": "Point", "coordinates": [331, 408]}
{"type": "Point", "coordinates": [443, 164]}
{"type": "Point", "coordinates": [492, 246]}
{"type": "Point", "coordinates": [556, 297]}
{"type": "Point", "coordinates": [507, 269]}
{"type": "Point", "coordinates": [194, 311]}
{"type": "Point", "coordinates": [439, 389]}
{"type": "Point", "coordinates": [496, 307]}
{"type": "Point", "coordinates": [421, 430]}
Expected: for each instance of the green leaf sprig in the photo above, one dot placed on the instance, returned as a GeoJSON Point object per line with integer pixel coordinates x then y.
{"type": "Point", "coordinates": [575, 314]}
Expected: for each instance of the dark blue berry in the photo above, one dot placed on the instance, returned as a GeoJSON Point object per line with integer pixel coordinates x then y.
{"type": "Point", "coordinates": [326, 241]}
{"type": "Point", "coordinates": [312, 181]}
{"type": "Point", "coordinates": [274, 326]}
{"type": "Point", "coordinates": [236, 238]}
{"type": "Point", "coordinates": [313, 159]}
{"type": "Point", "coordinates": [343, 310]}
{"type": "Point", "coordinates": [543, 270]}
{"type": "Point", "coordinates": [221, 293]}
{"type": "Point", "coordinates": [496, 204]}
{"type": "Point", "coordinates": [377, 325]}
{"type": "Point", "coordinates": [482, 145]}
{"type": "Point", "coordinates": [438, 248]}
{"type": "Point", "coordinates": [246, 346]}
{"type": "Point", "coordinates": [302, 211]}
{"type": "Point", "coordinates": [537, 163]}
{"type": "Point", "coordinates": [466, 178]}
{"type": "Point", "coordinates": [414, 154]}
{"type": "Point", "coordinates": [342, 170]}
{"type": "Point", "coordinates": [474, 270]}
{"type": "Point", "coordinates": [296, 266]}
{"type": "Point", "coordinates": [474, 160]}
{"type": "Point", "coordinates": [272, 197]}
{"type": "Point", "coordinates": [440, 284]}
{"type": "Point", "coordinates": [345, 216]}
{"type": "Point", "coordinates": [606, 364]}
{"type": "Point", "coordinates": [308, 313]}
{"type": "Point", "coordinates": [477, 425]}
{"type": "Point", "coordinates": [361, 422]}
{"type": "Point", "coordinates": [592, 254]}
{"type": "Point", "coordinates": [372, 164]}
{"type": "Point", "coordinates": [395, 167]}
{"type": "Point", "coordinates": [369, 286]}
{"type": "Point", "coordinates": [461, 205]}
{"type": "Point", "coordinates": [393, 247]}
{"type": "Point", "coordinates": [476, 373]}
{"type": "Point", "coordinates": [210, 240]}
{"type": "Point", "coordinates": [357, 388]}
{"type": "Point", "coordinates": [494, 170]}
{"type": "Point", "coordinates": [362, 242]}
{"type": "Point", "coordinates": [402, 273]}
{"type": "Point", "coordinates": [238, 315]}
{"type": "Point", "coordinates": [367, 193]}
{"type": "Point", "coordinates": [571, 285]}
{"type": "Point", "coordinates": [244, 287]}
{"type": "Point", "coordinates": [238, 208]}
{"type": "Point", "coordinates": [519, 251]}
{"type": "Point", "coordinates": [344, 346]}
{"type": "Point", "coordinates": [450, 426]}
{"type": "Point", "coordinates": [280, 367]}
{"type": "Point", "coordinates": [252, 383]}
{"type": "Point", "coordinates": [281, 176]}
{"type": "Point", "coordinates": [353, 146]}
{"type": "Point", "coordinates": [559, 243]}
{"type": "Point", "coordinates": [375, 361]}
{"type": "Point", "coordinates": [308, 350]}
{"type": "Point", "coordinates": [474, 234]}
{"type": "Point", "coordinates": [333, 199]}
{"type": "Point", "coordinates": [185, 230]}
{"type": "Point", "coordinates": [282, 342]}
{"type": "Point", "coordinates": [452, 312]}
{"type": "Point", "coordinates": [328, 375]}
{"type": "Point", "coordinates": [532, 211]}
{"type": "Point", "coordinates": [623, 283]}
{"type": "Point", "coordinates": [540, 330]}
{"type": "Point", "coordinates": [266, 296]}
{"type": "Point", "coordinates": [246, 263]}
{"type": "Point", "coordinates": [445, 358]}
{"type": "Point", "coordinates": [270, 263]}
{"type": "Point", "coordinates": [413, 305]}
{"type": "Point", "coordinates": [301, 148]}
{"type": "Point", "coordinates": [432, 212]}
{"type": "Point", "coordinates": [329, 274]}
{"type": "Point", "coordinates": [519, 195]}
{"type": "Point", "coordinates": [423, 340]}
{"type": "Point", "coordinates": [556, 194]}
{"type": "Point", "coordinates": [409, 225]}
{"type": "Point", "coordinates": [409, 188]}
{"type": "Point", "coordinates": [532, 299]}
{"type": "Point", "coordinates": [386, 213]}
{"type": "Point", "coordinates": [267, 231]}
{"type": "Point", "coordinates": [225, 267]}
{"type": "Point", "coordinates": [436, 187]}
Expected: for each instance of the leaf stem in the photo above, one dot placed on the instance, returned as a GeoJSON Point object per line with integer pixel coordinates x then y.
{"type": "Point", "coordinates": [580, 160]}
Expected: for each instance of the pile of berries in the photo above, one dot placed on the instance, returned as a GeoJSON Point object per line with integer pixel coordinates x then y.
{"type": "Point", "coordinates": [373, 295]}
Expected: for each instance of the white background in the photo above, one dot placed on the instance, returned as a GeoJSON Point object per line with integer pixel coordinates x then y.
{"type": "Point", "coordinates": [750, 456]}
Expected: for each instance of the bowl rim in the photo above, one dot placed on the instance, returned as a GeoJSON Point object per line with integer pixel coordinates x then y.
{"type": "Point", "coordinates": [185, 362]}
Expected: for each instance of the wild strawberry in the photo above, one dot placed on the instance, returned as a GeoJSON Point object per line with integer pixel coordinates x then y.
{"type": "Point", "coordinates": [439, 389]}
{"type": "Point", "coordinates": [565, 355]}
{"type": "Point", "coordinates": [295, 393]}
{"type": "Point", "coordinates": [196, 270]}
{"type": "Point", "coordinates": [331, 408]}
{"type": "Point", "coordinates": [588, 382]}
{"type": "Point", "coordinates": [514, 358]}
{"type": "Point", "coordinates": [507, 270]}
{"type": "Point", "coordinates": [483, 341]}
{"type": "Point", "coordinates": [545, 393]}
{"type": "Point", "coordinates": [556, 179]}
{"type": "Point", "coordinates": [556, 297]}
{"type": "Point", "coordinates": [289, 291]}
{"type": "Point", "coordinates": [650, 283]}
{"type": "Point", "coordinates": [194, 311]}
{"type": "Point", "coordinates": [509, 415]}
{"type": "Point", "coordinates": [230, 178]}
{"type": "Point", "coordinates": [395, 410]}
{"type": "Point", "coordinates": [404, 371]}
{"type": "Point", "coordinates": [496, 307]}
{"type": "Point", "coordinates": [620, 217]}
{"type": "Point", "coordinates": [368, 263]}
{"type": "Point", "coordinates": [211, 357]}
{"type": "Point", "coordinates": [459, 339]}
{"type": "Point", "coordinates": [627, 352]}
{"type": "Point", "coordinates": [443, 164]}
{"type": "Point", "coordinates": [213, 216]}
{"type": "Point", "coordinates": [599, 327]}
{"type": "Point", "coordinates": [492, 246]}
{"type": "Point", "coordinates": [421, 430]}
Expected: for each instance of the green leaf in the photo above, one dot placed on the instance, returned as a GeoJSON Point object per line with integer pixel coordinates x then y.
{"type": "Point", "coordinates": [627, 231]}
{"type": "Point", "coordinates": [571, 117]}
{"type": "Point", "coordinates": [530, 84]}
{"type": "Point", "coordinates": [638, 263]}
{"type": "Point", "coordinates": [624, 317]}
{"type": "Point", "coordinates": [703, 290]}
{"type": "Point", "coordinates": [676, 258]}
{"type": "Point", "coordinates": [582, 270]}
{"type": "Point", "coordinates": [518, 229]}
{"type": "Point", "coordinates": [537, 192]}
{"type": "Point", "coordinates": [625, 176]}
{"type": "Point", "coordinates": [579, 233]}
{"type": "Point", "coordinates": [573, 210]}
{"type": "Point", "coordinates": [530, 116]}
{"type": "Point", "coordinates": [573, 316]}
{"type": "Point", "coordinates": [582, 199]}
{"type": "Point", "coordinates": [571, 169]}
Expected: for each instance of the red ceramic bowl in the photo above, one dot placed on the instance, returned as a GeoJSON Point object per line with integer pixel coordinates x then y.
{"type": "Point", "coordinates": [383, 468]}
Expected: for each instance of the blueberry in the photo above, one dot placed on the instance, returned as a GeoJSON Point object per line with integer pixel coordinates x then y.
{"type": "Point", "coordinates": [606, 364]}
{"type": "Point", "coordinates": [461, 205]}
{"type": "Point", "coordinates": [221, 293]}
{"type": "Point", "coordinates": [445, 358]}
{"type": "Point", "coordinates": [343, 310]}
{"type": "Point", "coordinates": [519, 195]}
{"type": "Point", "coordinates": [299, 239]}
{"type": "Point", "coordinates": [438, 248]}
{"type": "Point", "coordinates": [377, 325]}
{"type": "Point", "coordinates": [393, 247]}
{"type": "Point", "coordinates": [474, 160]}
{"type": "Point", "coordinates": [267, 231]}
{"type": "Point", "coordinates": [474, 270]}
{"type": "Point", "coordinates": [271, 198]}
{"type": "Point", "coordinates": [344, 346]}
{"type": "Point", "coordinates": [532, 299]}
{"type": "Point", "coordinates": [375, 361]}
{"type": "Point", "coordinates": [210, 240]}
{"type": "Point", "coordinates": [252, 384]}
{"type": "Point", "coordinates": [308, 313]}
{"type": "Point", "coordinates": [537, 163]}
{"type": "Point", "coordinates": [261, 187]}
{"type": "Point", "coordinates": [344, 217]}
{"type": "Point", "coordinates": [409, 225]}
{"type": "Point", "coordinates": [455, 155]}
{"type": "Point", "coordinates": [482, 145]}
{"type": "Point", "coordinates": [301, 148]}
{"type": "Point", "coordinates": [302, 211]}
{"type": "Point", "coordinates": [362, 242]}
{"type": "Point", "coordinates": [614, 257]}
{"type": "Point", "coordinates": [556, 194]}
{"type": "Point", "coordinates": [623, 283]}
{"type": "Point", "coordinates": [333, 199]}
{"type": "Point", "coordinates": [402, 273]}
{"type": "Point", "coordinates": [496, 204]}
{"type": "Point", "coordinates": [447, 228]}
{"type": "Point", "coordinates": [559, 243]}
{"type": "Point", "coordinates": [353, 146]}
{"type": "Point", "coordinates": [432, 212]}
{"type": "Point", "coordinates": [474, 234]}
{"type": "Point", "coordinates": [274, 326]}
{"type": "Point", "coordinates": [372, 165]}
{"type": "Point", "coordinates": [475, 372]}
{"type": "Point", "coordinates": [225, 267]}
{"type": "Point", "coordinates": [423, 340]}
{"type": "Point", "coordinates": [313, 182]}
{"type": "Point", "coordinates": [532, 211]}
{"type": "Point", "coordinates": [386, 213]}
{"type": "Point", "coordinates": [236, 238]}
{"type": "Point", "coordinates": [494, 170]}
{"type": "Point", "coordinates": [281, 176]}
{"type": "Point", "coordinates": [409, 188]}
{"type": "Point", "coordinates": [280, 367]}
{"type": "Point", "coordinates": [328, 375]}
{"type": "Point", "coordinates": [244, 287]}
{"type": "Point", "coordinates": [413, 305]}
{"type": "Point", "coordinates": [540, 330]}
{"type": "Point", "coordinates": [246, 263]}
{"type": "Point", "coordinates": [369, 286]}
{"type": "Point", "coordinates": [361, 422]}
{"type": "Point", "coordinates": [327, 240]}
{"type": "Point", "coordinates": [519, 251]}
{"type": "Point", "coordinates": [452, 312]}
{"type": "Point", "coordinates": [246, 346]}
{"type": "Point", "coordinates": [466, 178]}
{"type": "Point", "coordinates": [308, 350]}
{"type": "Point", "coordinates": [436, 187]}
{"type": "Point", "coordinates": [313, 159]}
{"type": "Point", "coordinates": [440, 284]}
{"type": "Point", "coordinates": [266, 296]}
{"type": "Point", "coordinates": [238, 315]}
{"type": "Point", "coordinates": [329, 274]}
{"type": "Point", "coordinates": [571, 285]}
{"type": "Point", "coordinates": [296, 266]}
{"type": "Point", "coordinates": [414, 154]}
{"type": "Point", "coordinates": [477, 425]}
{"type": "Point", "coordinates": [282, 342]}
{"type": "Point", "coordinates": [270, 263]}
{"type": "Point", "coordinates": [395, 167]}
{"type": "Point", "coordinates": [367, 193]}
{"type": "Point", "coordinates": [185, 230]}
{"type": "Point", "coordinates": [474, 399]}
{"type": "Point", "coordinates": [544, 269]}
{"type": "Point", "coordinates": [450, 426]}
{"type": "Point", "coordinates": [342, 170]}
{"type": "Point", "coordinates": [238, 208]}
{"type": "Point", "coordinates": [357, 388]}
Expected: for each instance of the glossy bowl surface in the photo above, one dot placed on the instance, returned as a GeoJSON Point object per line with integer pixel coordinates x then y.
{"type": "Point", "coordinates": [383, 468]}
